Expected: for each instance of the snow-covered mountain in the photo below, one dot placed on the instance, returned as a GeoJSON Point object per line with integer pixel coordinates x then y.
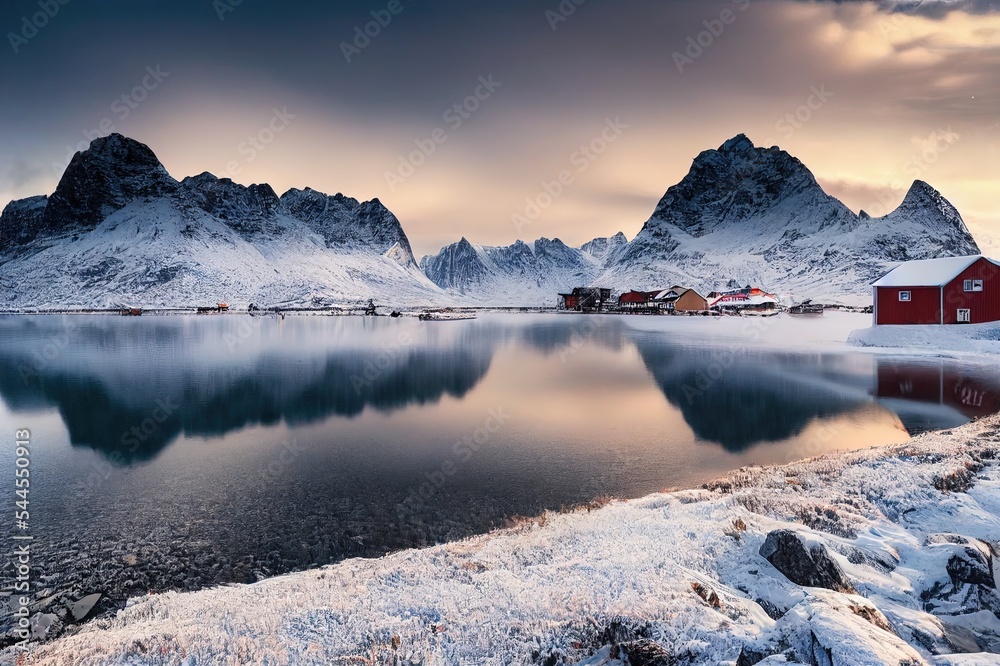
{"type": "Point", "coordinates": [120, 230]}
{"type": "Point", "coordinates": [742, 215]}
{"type": "Point", "coordinates": [518, 274]}
{"type": "Point", "coordinates": [603, 249]}
{"type": "Point", "coordinates": [748, 215]}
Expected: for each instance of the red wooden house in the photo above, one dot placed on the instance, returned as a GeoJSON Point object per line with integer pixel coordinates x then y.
{"type": "Point", "coordinates": [585, 299]}
{"type": "Point", "coordinates": [950, 290]}
{"type": "Point", "coordinates": [635, 301]}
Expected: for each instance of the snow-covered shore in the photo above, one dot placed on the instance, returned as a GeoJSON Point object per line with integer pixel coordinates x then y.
{"type": "Point", "coordinates": [973, 338]}
{"type": "Point", "coordinates": [908, 535]}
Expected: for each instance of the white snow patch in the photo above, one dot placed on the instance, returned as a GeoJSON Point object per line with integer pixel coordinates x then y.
{"type": "Point", "coordinates": [968, 338]}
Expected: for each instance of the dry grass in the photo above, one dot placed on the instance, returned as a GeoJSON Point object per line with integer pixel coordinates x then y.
{"type": "Point", "coordinates": [960, 480]}
{"type": "Point", "coordinates": [707, 594]}
{"type": "Point", "coordinates": [737, 529]}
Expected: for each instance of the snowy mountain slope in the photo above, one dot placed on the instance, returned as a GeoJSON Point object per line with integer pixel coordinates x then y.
{"type": "Point", "coordinates": [518, 274]}
{"type": "Point", "coordinates": [119, 230]}
{"type": "Point", "coordinates": [603, 249]}
{"type": "Point", "coordinates": [742, 215]}
{"type": "Point", "coordinates": [748, 215]}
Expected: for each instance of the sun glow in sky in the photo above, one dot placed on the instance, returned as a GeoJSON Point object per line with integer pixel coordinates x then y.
{"type": "Point", "coordinates": [459, 116]}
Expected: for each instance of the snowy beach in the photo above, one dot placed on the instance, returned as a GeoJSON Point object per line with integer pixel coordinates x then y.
{"type": "Point", "coordinates": [905, 535]}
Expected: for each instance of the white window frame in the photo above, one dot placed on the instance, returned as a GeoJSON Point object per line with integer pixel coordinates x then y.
{"type": "Point", "coordinates": [964, 316]}
{"type": "Point", "coordinates": [905, 297]}
{"type": "Point", "coordinates": [972, 285]}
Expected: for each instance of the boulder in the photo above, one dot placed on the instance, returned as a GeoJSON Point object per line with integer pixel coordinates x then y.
{"type": "Point", "coordinates": [644, 652]}
{"type": "Point", "coordinates": [960, 639]}
{"type": "Point", "coordinates": [971, 566]}
{"type": "Point", "coordinates": [809, 565]}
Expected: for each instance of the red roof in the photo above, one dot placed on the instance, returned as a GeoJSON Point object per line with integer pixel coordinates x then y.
{"type": "Point", "coordinates": [633, 297]}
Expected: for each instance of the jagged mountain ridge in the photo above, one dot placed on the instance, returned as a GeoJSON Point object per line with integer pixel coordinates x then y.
{"type": "Point", "coordinates": [604, 248]}
{"type": "Point", "coordinates": [750, 215]}
{"type": "Point", "coordinates": [119, 229]}
{"type": "Point", "coordinates": [519, 274]}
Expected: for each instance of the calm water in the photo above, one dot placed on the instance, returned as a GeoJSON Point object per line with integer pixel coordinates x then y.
{"type": "Point", "coordinates": [178, 452]}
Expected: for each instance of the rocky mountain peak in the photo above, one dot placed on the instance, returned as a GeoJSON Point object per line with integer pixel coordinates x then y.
{"type": "Point", "coordinates": [247, 208]}
{"type": "Point", "coordinates": [21, 220]}
{"type": "Point", "coordinates": [603, 248]}
{"type": "Point", "coordinates": [736, 183]}
{"type": "Point", "coordinates": [925, 208]}
{"type": "Point", "coordinates": [921, 197]}
{"type": "Point", "coordinates": [110, 174]}
{"type": "Point", "coordinates": [738, 145]}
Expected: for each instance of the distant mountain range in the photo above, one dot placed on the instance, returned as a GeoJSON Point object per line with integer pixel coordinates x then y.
{"type": "Point", "coordinates": [120, 230]}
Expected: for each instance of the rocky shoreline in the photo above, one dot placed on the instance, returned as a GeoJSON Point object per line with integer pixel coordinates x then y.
{"type": "Point", "coordinates": [882, 556]}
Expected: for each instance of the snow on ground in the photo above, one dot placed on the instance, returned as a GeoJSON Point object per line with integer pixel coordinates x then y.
{"type": "Point", "coordinates": [782, 331]}
{"type": "Point", "coordinates": [972, 338]}
{"type": "Point", "coordinates": [914, 528]}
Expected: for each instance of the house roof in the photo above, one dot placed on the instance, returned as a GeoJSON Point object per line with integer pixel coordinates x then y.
{"type": "Point", "coordinates": [928, 272]}
{"type": "Point", "coordinates": [675, 290]}
{"type": "Point", "coordinates": [666, 294]}
{"type": "Point", "coordinates": [745, 299]}
{"type": "Point", "coordinates": [632, 297]}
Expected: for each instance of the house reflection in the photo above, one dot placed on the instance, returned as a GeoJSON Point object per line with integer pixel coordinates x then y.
{"type": "Point", "coordinates": [962, 392]}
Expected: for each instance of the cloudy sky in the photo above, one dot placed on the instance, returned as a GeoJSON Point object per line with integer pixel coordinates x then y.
{"type": "Point", "coordinates": [458, 115]}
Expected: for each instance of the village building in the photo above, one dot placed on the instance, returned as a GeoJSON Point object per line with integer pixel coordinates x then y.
{"type": "Point", "coordinates": [585, 299]}
{"type": "Point", "coordinates": [749, 300]}
{"type": "Point", "coordinates": [680, 299]}
{"type": "Point", "coordinates": [949, 290]}
{"type": "Point", "coordinates": [636, 301]}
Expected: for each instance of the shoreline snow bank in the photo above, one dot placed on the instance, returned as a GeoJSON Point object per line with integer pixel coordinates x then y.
{"type": "Point", "coordinates": [914, 527]}
{"type": "Point", "coordinates": [972, 338]}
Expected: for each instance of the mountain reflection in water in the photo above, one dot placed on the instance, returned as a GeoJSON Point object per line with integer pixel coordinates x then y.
{"type": "Point", "coordinates": [112, 381]}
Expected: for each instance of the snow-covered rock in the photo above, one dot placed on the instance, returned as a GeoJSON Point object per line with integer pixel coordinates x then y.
{"type": "Point", "coordinates": [804, 563]}
{"type": "Point", "coordinates": [604, 249]}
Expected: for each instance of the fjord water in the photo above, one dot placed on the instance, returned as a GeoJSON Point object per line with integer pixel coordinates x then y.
{"type": "Point", "coordinates": [176, 452]}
